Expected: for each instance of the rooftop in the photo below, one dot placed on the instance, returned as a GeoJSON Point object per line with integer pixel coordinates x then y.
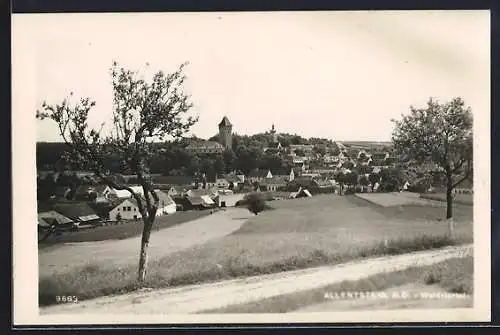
{"type": "Point", "coordinates": [225, 122]}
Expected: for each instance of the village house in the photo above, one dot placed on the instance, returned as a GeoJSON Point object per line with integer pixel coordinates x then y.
{"type": "Point", "coordinates": [52, 217]}
{"type": "Point", "coordinates": [114, 194]}
{"type": "Point", "coordinates": [227, 181]}
{"type": "Point", "coordinates": [306, 148]}
{"type": "Point", "coordinates": [257, 176]}
{"type": "Point", "coordinates": [287, 176]}
{"type": "Point", "coordinates": [303, 181]}
{"type": "Point", "coordinates": [380, 156]}
{"type": "Point", "coordinates": [177, 191]}
{"type": "Point", "coordinates": [230, 200]}
{"type": "Point", "coordinates": [205, 182]}
{"type": "Point", "coordinates": [128, 209]}
{"type": "Point", "coordinates": [209, 193]}
{"type": "Point", "coordinates": [80, 213]}
{"type": "Point", "coordinates": [124, 209]}
{"type": "Point", "coordinates": [274, 148]}
{"type": "Point", "coordinates": [273, 184]}
{"type": "Point", "coordinates": [301, 193]}
{"type": "Point", "coordinates": [201, 202]}
{"type": "Point", "coordinates": [96, 193]}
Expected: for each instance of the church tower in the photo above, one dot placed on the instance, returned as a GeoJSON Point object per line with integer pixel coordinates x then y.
{"type": "Point", "coordinates": [274, 135]}
{"type": "Point", "coordinates": [225, 135]}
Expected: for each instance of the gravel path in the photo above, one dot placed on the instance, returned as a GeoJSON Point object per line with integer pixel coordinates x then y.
{"type": "Point", "coordinates": [163, 242]}
{"type": "Point", "coordinates": [197, 298]}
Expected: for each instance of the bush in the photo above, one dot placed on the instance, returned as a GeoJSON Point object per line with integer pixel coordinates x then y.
{"type": "Point", "coordinates": [255, 203]}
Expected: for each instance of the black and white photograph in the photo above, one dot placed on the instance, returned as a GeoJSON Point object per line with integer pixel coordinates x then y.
{"type": "Point", "coordinates": [329, 166]}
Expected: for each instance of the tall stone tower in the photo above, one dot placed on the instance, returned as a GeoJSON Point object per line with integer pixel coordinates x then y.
{"type": "Point", "coordinates": [225, 135]}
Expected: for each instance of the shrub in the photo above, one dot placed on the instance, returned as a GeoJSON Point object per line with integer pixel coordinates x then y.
{"type": "Point", "coordinates": [255, 203]}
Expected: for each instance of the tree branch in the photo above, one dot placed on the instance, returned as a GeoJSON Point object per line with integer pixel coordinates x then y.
{"type": "Point", "coordinates": [467, 174]}
{"type": "Point", "coordinates": [114, 185]}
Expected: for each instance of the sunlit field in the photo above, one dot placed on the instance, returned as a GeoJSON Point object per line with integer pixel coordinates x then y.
{"type": "Point", "coordinates": [299, 233]}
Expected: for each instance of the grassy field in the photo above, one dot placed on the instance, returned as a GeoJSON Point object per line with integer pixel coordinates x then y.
{"type": "Point", "coordinates": [453, 275]}
{"type": "Point", "coordinates": [463, 199]}
{"type": "Point", "coordinates": [124, 230]}
{"type": "Point", "coordinates": [297, 234]}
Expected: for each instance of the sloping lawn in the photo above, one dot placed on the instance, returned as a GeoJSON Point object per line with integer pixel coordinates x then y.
{"type": "Point", "coordinates": [297, 234]}
{"type": "Point", "coordinates": [124, 230]}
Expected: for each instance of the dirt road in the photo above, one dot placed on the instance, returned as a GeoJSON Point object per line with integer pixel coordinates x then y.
{"type": "Point", "coordinates": [125, 251]}
{"type": "Point", "coordinates": [197, 298]}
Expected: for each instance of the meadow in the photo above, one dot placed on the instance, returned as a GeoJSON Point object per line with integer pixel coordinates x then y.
{"type": "Point", "coordinates": [299, 233]}
{"type": "Point", "coordinates": [463, 199]}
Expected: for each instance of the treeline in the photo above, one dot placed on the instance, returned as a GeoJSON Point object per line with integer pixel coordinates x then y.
{"type": "Point", "coordinates": [171, 158]}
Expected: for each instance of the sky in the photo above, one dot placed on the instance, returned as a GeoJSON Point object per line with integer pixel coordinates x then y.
{"type": "Point", "coordinates": [337, 75]}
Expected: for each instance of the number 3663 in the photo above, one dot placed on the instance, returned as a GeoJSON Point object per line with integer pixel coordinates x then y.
{"type": "Point", "coordinates": [66, 299]}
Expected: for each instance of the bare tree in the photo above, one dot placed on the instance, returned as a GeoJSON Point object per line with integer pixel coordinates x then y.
{"type": "Point", "coordinates": [143, 112]}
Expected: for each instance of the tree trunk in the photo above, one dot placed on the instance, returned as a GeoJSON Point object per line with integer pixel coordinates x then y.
{"type": "Point", "coordinates": [143, 257]}
{"type": "Point", "coordinates": [449, 199]}
{"type": "Point", "coordinates": [449, 205]}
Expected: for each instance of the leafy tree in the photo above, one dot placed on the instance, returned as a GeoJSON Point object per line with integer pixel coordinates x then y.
{"type": "Point", "coordinates": [363, 181]}
{"type": "Point", "coordinates": [296, 139]}
{"type": "Point", "coordinates": [46, 187]}
{"type": "Point", "coordinates": [229, 159]}
{"type": "Point", "coordinates": [207, 166]}
{"type": "Point", "coordinates": [271, 162]}
{"type": "Point", "coordinates": [219, 166]}
{"type": "Point", "coordinates": [247, 158]}
{"type": "Point", "coordinates": [391, 180]}
{"type": "Point", "coordinates": [440, 133]}
{"type": "Point", "coordinates": [336, 151]}
{"type": "Point", "coordinates": [255, 203]}
{"type": "Point", "coordinates": [143, 112]}
{"type": "Point", "coordinates": [195, 165]}
{"type": "Point", "coordinates": [352, 178]}
{"type": "Point", "coordinates": [341, 179]}
{"type": "Point", "coordinates": [364, 169]}
{"type": "Point", "coordinates": [374, 178]}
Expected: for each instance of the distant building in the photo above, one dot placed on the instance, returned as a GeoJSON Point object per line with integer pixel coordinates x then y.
{"type": "Point", "coordinates": [211, 147]}
{"type": "Point", "coordinates": [257, 176]}
{"type": "Point", "coordinates": [205, 147]}
{"type": "Point", "coordinates": [274, 135]}
{"type": "Point", "coordinates": [225, 133]}
{"type": "Point", "coordinates": [307, 148]}
{"type": "Point", "coordinates": [274, 183]}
